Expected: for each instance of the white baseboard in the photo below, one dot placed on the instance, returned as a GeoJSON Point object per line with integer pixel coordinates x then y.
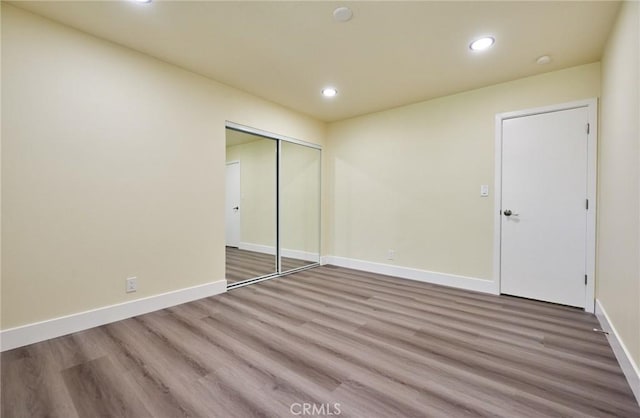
{"type": "Point", "coordinates": [257, 248]}
{"type": "Point", "coordinates": [451, 280]}
{"type": "Point", "coordinates": [57, 327]}
{"type": "Point", "coordinates": [266, 249]}
{"type": "Point", "coordinates": [629, 367]}
{"type": "Point", "coordinates": [301, 255]}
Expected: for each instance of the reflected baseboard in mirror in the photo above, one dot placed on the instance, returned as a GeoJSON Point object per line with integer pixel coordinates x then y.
{"type": "Point", "coordinates": [299, 205]}
{"type": "Point", "coordinates": [243, 264]}
{"type": "Point", "coordinates": [272, 205]}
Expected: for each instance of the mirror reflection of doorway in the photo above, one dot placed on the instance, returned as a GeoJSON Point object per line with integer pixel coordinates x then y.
{"type": "Point", "coordinates": [232, 207]}
{"type": "Point", "coordinates": [272, 205]}
{"type": "Point", "coordinates": [250, 209]}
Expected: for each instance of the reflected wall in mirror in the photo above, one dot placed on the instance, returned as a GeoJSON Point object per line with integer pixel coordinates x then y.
{"type": "Point", "coordinates": [299, 205]}
{"type": "Point", "coordinates": [250, 211]}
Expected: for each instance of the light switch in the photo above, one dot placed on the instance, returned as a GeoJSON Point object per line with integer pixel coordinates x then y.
{"type": "Point", "coordinates": [484, 190]}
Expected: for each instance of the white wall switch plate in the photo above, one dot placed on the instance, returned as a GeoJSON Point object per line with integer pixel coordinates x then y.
{"type": "Point", "coordinates": [484, 190]}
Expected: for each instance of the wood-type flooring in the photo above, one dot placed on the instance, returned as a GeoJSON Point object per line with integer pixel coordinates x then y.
{"type": "Point", "coordinates": [243, 265]}
{"type": "Point", "coordinates": [337, 342]}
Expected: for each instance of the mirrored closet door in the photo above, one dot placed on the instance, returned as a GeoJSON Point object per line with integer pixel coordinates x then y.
{"type": "Point", "coordinates": [299, 206]}
{"type": "Point", "coordinates": [250, 206]}
{"type": "Point", "coordinates": [272, 205]}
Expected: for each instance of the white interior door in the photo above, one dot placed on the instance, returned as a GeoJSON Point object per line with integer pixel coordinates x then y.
{"type": "Point", "coordinates": [544, 213]}
{"type": "Point", "coordinates": [232, 204]}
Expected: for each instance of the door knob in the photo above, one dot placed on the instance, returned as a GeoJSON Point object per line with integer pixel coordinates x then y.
{"type": "Point", "coordinates": [509, 213]}
{"type": "Point", "coordinates": [236, 208]}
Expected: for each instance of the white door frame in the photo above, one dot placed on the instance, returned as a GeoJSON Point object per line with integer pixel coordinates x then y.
{"type": "Point", "coordinates": [228, 163]}
{"type": "Point", "coordinates": [592, 147]}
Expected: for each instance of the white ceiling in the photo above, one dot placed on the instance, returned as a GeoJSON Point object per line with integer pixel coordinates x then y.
{"type": "Point", "coordinates": [392, 53]}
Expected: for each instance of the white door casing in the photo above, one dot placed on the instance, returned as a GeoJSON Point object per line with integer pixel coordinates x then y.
{"type": "Point", "coordinates": [232, 204]}
{"type": "Point", "coordinates": [545, 174]}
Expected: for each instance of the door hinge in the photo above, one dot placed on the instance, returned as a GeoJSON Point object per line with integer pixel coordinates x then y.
{"type": "Point", "coordinates": [588, 128]}
{"type": "Point", "coordinates": [587, 204]}
{"type": "Point", "coordinates": [585, 279]}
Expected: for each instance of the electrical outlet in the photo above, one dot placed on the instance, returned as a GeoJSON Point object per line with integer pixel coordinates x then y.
{"type": "Point", "coordinates": [391, 254]}
{"type": "Point", "coordinates": [132, 284]}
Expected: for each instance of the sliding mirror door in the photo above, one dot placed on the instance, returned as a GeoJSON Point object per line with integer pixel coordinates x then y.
{"type": "Point", "coordinates": [272, 205]}
{"type": "Point", "coordinates": [250, 206]}
{"type": "Point", "coordinates": [299, 205]}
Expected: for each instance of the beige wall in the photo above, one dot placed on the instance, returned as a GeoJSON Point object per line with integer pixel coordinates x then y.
{"type": "Point", "coordinates": [1, 309]}
{"type": "Point", "coordinates": [113, 165]}
{"type": "Point", "coordinates": [618, 260]}
{"type": "Point", "coordinates": [408, 179]}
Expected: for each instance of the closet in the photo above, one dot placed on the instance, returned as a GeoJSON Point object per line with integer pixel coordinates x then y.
{"type": "Point", "coordinates": [272, 205]}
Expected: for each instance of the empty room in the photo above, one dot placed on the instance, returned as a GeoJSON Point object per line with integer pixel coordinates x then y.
{"type": "Point", "coordinates": [364, 209]}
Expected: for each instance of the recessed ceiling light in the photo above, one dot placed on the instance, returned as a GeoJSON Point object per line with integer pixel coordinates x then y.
{"type": "Point", "coordinates": [545, 59]}
{"type": "Point", "coordinates": [329, 92]}
{"type": "Point", "coordinates": [342, 14]}
{"type": "Point", "coordinates": [482, 43]}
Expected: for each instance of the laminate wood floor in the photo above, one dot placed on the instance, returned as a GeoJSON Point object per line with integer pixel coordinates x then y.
{"type": "Point", "coordinates": [242, 264]}
{"type": "Point", "coordinates": [376, 345]}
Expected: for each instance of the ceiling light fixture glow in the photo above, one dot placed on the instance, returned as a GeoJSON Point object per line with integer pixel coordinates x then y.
{"type": "Point", "coordinates": [142, 1]}
{"type": "Point", "coordinates": [329, 92]}
{"type": "Point", "coordinates": [482, 43]}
